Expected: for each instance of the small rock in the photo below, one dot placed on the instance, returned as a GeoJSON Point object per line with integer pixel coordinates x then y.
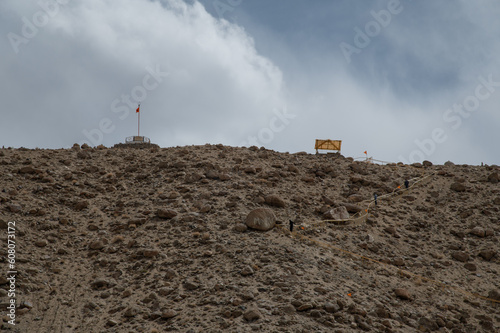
{"type": "Point", "coordinates": [188, 285]}
{"type": "Point", "coordinates": [250, 170]}
{"type": "Point", "coordinates": [240, 227]}
{"type": "Point", "coordinates": [460, 256]}
{"type": "Point", "coordinates": [478, 231]}
{"type": "Point", "coordinates": [192, 178]}
{"type": "Point", "coordinates": [339, 213]}
{"type": "Point", "coordinates": [458, 187]}
{"type": "Point", "coordinates": [14, 208]}
{"type": "Point", "coordinates": [166, 213]}
{"type": "Point", "coordinates": [246, 271]}
{"type": "Point", "coordinates": [111, 322]}
{"type": "Point", "coordinates": [100, 283]}
{"type": "Point", "coordinates": [398, 262]}
{"type": "Point", "coordinates": [427, 163]}
{"type": "Point", "coordinates": [494, 178]}
{"type": "Point", "coordinates": [487, 254]}
{"type": "Point", "coordinates": [315, 314]}
{"type": "Point", "coordinates": [169, 314]}
{"type": "Point", "coordinates": [402, 293]}
{"type": "Point", "coordinates": [355, 198]}
{"type": "Point", "coordinates": [332, 308]}
{"type": "Point", "coordinates": [27, 170]}
{"type": "Point", "coordinates": [275, 201]}
{"type": "Point", "coordinates": [305, 307]}
{"type": "Point", "coordinates": [471, 267]}
{"type": "Point", "coordinates": [41, 243]}
{"type": "Point", "coordinates": [81, 205]}
{"type": "Point", "coordinates": [150, 253]}
{"type": "Point", "coordinates": [130, 312]}
{"type": "Point", "coordinates": [252, 315]}
{"type": "Point", "coordinates": [170, 273]}
{"type": "Point", "coordinates": [261, 219]}
{"type": "Point", "coordinates": [96, 245]}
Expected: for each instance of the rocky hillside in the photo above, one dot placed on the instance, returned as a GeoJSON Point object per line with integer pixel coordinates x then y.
{"type": "Point", "coordinates": [155, 240]}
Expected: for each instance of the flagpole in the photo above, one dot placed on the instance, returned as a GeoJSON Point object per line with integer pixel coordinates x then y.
{"type": "Point", "coordinates": [139, 121]}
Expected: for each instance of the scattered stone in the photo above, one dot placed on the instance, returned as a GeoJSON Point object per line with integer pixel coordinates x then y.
{"type": "Point", "coordinates": [471, 267]}
{"type": "Point", "coordinates": [252, 315]}
{"type": "Point", "coordinates": [402, 293]}
{"type": "Point", "coordinates": [458, 187]}
{"type": "Point", "coordinates": [189, 285]}
{"type": "Point", "coordinates": [427, 163]}
{"type": "Point", "coordinates": [339, 213]}
{"type": "Point", "coordinates": [494, 178]}
{"type": "Point", "coordinates": [427, 325]}
{"type": "Point", "coordinates": [192, 178]}
{"type": "Point", "coordinates": [41, 243]}
{"type": "Point", "coordinates": [487, 254]}
{"type": "Point", "coordinates": [332, 308]}
{"type": "Point", "coordinates": [305, 307]}
{"type": "Point", "coordinates": [275, 201]}
{"type": "Point", "coordinates": [170, 273]}
{"type": "Point", "coordinates": [84, 155]}
{"type": "Point", "coordinates": [460, 256]}
{"type": "Point", "coordinates": [111, 322]}
{"type": "Point", "coordinates": [315, 314]}
{"type": "Point", "coordinates": [150, 253]}
{"type": "Point", "coordinates": [355, 198]}
{"type": "Point", "coordinates": [478, 231]}
{"type": "Point", "coordinates": [262, 219]}
{"type": "Point", "coordinates": [168, 314]}
{"type": "Point", "coordinates": [27, 170]}
{"type": "Point", "coordinates": [131, 312]}
{"type": "Point", "coordinates": [81, 205]}
{"type": "Point", "coordinates": [240, 227]}
{"type": "Point", "coordinates": [398, 262]}
{"type": "Point", "coordinates": [14, 208]}
{"type": "Point", "coordinates": [166, 213]}
{"type": "Point", "coordinates": [96, 245]}
{"type": "Point", "coordinates": [100, 283]}
{"type": "Point", "coordinates": [246, 271]}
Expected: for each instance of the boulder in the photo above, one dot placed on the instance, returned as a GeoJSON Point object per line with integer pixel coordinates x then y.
{"type": "Point", "coordinates": [339, 213]}
{"type": "Point", "coordinates": [262, 219]}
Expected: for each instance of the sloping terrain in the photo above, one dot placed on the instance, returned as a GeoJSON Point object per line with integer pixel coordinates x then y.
{"type": "Point", "coordinates": [152, 240]}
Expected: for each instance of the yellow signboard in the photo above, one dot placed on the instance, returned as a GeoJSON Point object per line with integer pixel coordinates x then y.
{"type": "Point", "coordinates": [328, 145]}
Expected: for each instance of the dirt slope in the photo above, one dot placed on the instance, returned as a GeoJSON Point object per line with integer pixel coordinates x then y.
{"type": "Point", "coordinates": [152, 240]}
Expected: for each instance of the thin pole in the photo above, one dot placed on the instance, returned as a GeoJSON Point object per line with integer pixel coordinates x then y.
{"type": "Point", "coordinates": [139, 121]}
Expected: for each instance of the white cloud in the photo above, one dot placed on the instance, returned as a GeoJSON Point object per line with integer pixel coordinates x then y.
{"type": "Point", "coordinates": [93, 52]}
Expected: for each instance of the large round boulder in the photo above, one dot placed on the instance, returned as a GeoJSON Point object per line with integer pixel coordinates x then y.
{"type": "Point", "coordinates": [261, 219]}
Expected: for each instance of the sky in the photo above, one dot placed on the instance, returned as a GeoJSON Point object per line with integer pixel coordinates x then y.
{"type": "Point", "coordinates": [402, 80]}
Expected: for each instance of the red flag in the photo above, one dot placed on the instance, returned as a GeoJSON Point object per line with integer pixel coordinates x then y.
{"type": "Point", "coordinates": [366, 152]}
{"type": "Point", "coordinates": [137, 110]}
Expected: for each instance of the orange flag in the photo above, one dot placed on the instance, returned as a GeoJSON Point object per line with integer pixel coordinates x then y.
{"type": "Point", "coordinates": [366, 153]}
{"type": "Point", "coordinates": [137, 110]}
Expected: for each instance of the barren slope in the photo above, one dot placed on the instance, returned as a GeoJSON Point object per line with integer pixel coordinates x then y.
{"type": "Point", "coordinates": [150, 240]}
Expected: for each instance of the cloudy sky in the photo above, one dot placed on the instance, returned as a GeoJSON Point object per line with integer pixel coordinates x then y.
{"type": "Point", "coordinates": [404, 80]}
